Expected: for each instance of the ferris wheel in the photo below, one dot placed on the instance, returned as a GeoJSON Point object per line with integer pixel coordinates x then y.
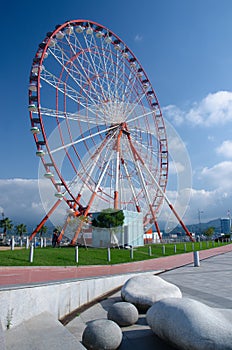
{"type": "Point", "coordinates": [111, 149]}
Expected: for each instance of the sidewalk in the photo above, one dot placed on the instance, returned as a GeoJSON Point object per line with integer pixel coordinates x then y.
{"type": "Point", "coordinates": [211, 284]}
{"type": "Point", "coordinates": [13, 276]}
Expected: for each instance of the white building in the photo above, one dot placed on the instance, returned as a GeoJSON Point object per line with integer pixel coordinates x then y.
{"type": "Point", "coordinates": [130, 233]}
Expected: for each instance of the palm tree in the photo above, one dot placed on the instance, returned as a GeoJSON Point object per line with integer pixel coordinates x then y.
{"type": "Point", "coordinates": [20, 230]}
{"type": "Point", "coordinates": [43, 230]}
{"type": "Point", "coordinates": [6, 224]}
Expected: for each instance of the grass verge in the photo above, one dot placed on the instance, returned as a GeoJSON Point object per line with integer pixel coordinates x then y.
{"type": "Point", "coordinates": [65, 256]}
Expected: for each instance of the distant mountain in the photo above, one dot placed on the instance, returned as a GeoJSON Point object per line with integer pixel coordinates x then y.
{"type": "Point", "coordinates": [200, 228]}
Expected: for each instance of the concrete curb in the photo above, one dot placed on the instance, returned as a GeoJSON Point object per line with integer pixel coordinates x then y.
{"type": "Point", "coordinates": [60, 299]}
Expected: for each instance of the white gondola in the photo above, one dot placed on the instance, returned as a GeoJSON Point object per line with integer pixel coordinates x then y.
{"type": "Point", "coordinates": [33, 86]}
{"type": "Point", "coordinates": [139, 74]}
{"type": "Point", "coordinates": [70, 211]}
{"type": "Point", "coordinates": [39, 55]}
{"type": "Point", "coordinates": [40, 153]}
{"type": "Point", "coordinates": [52, 43]}
{"type": "Point", "coordinates": [133, 64]}
{"type": "Point", "coordinates": [117, 47]}
{"type": "Point", "coordinates": [36, 67]}
{"type": "Point", "coordinates": [69, 30]}
{"type": "Point", "coordinates": [60, 35]}
{"type": "Point", "coordinates": [125, 55]}
{"type": "Point", "coordinates": [108, 39]}
{"type": "Point", "coordinates": [79, 29]}
{"type": "Point", "coordinates": [99, 34]}
{"type": "Point", "coordinates": [145, 85]}
{"type": "Point", "coordinates": [89, 30]}
{"type": "Point", "coordinates": [35, 130]}
{"type": "Point", "coordinates": [150, 97]}
{"type": "Point", "coordinates": [48, 175]}
{"type": "Point", "coordinates": [32, 108]}
{"type": "Point", "coordinates": [59, 195]}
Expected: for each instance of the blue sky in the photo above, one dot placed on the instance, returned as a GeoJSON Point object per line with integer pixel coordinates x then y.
{"type": "Point", "coordinates": [184, 47]}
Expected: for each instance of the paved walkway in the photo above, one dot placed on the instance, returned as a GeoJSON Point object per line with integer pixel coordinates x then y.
{"type": "Point", "coordinates": [211, 284]}
{"type": "Point", "coordinates": [13, 276]}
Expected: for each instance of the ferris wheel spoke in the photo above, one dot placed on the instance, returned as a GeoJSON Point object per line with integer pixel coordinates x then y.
{"type": "Point", "coordinates": [65, 115]}
{"type": "Point", "coordinates": [149, 149]}
{"type": "Point", "coordinates": [135, 104]}
{"type": "Point", "coordinates": [141, 178]}
{"type": "Point", "coordinates": [92, 163]}
{"type": "Point", "coordinates": [65, 89]}
{"type": "Point", "coordinates": [137, 161]}
{"type": "Point", "coordinates": [130, 87]}
{"type": "Point", "coordinates": [139, 116]}
{"type": "Point", "coordinates": [83, 78]}
{"type": "Point", "coordinates": [107, 68]}
{"type": "Point", "coordinates": [131, 186]}
{"type": "Point", "coordinates": [66, 60]}
{"type": "Point", "coordinates": [82, 139]}
{"type": "Point", "coordinates": [88, 73]}
{"type": "Point", "coordinates": [98, 69]}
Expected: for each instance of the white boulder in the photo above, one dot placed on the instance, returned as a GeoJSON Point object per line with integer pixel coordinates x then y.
{"type": "Point", "coordinates": [144, 290]}
{"type": "Point", "coordinates": [123, 313]}
{"type": "Point", "coordinates": [102, 334]}
{"type": "Point", "coordinates": [188, 324]}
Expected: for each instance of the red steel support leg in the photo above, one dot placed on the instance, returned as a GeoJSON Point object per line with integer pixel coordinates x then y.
{"type": "Point", "coordinates": [68, 219]}
{"type": "Point", "coordinates": [44, 219]}
{"type": "Point", "coordinates": [73, 242]}
{"type": "Point", "coordinates": [181, 222]}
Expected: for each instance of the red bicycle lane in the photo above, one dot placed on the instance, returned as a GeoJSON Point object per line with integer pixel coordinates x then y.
{"type": "Point", "coordinates": [16, 276]}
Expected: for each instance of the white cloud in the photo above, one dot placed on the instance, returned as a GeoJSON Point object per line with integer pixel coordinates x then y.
{"type": "Point", "coordinates": [174, 114]}
{"type": "Point", "coordinates": [214, 109]}
{"type": "Point", "coordinates": [217, 199]}
{"type": "Point", "coordinates": [214, 199]}
{"type": "Point", "coordinates": [20, 200]}
{"type": "Point", "coordinates": [211, 138]}
{"type": "Point", "coordinates": [138, 37]}
{"type": "Point", "coordinates": [175, 167]}
{"type": "Point", "coordinates": [225, 149]}
{"type": "Point", "coordinates": [219, 176]}
{"type": "Point", "coordinates": [214, 204]}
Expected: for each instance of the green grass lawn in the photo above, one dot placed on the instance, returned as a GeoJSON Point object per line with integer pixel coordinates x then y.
{"type": "Point", "coordinates": [65, 256]}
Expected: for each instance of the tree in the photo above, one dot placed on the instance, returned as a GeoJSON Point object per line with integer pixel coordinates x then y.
{"type": "Point", "coordinates": [209, 232]}
{"type": "Point", "coordinates": [6, 224]}
{"type": "Point", "coordinates": [42, 230]}
{"type": "Point", "coordinates": [109, 218]}
{"type": "Point", "coordinates": [20, 230]}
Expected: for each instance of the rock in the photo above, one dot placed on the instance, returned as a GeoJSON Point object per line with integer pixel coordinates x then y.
{"type": "Point", "coordinates": [123, 313]}
{"type": "Point", "coordinates": [144, 291]}
{"type": "Point", "coordinates": [188, 324]}
{"type": "Point", "coordinates": [102, 334]}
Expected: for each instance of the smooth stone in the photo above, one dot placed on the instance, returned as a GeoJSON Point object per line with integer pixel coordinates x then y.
{"type": "Point", "coordinates": [102, 334]}
{"type": "Point", "coordinates": [188, 324]}
{"type": "Point", "coordinates": [123, 313]}
{"type": "Point", "coordinates": [144, 291]}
